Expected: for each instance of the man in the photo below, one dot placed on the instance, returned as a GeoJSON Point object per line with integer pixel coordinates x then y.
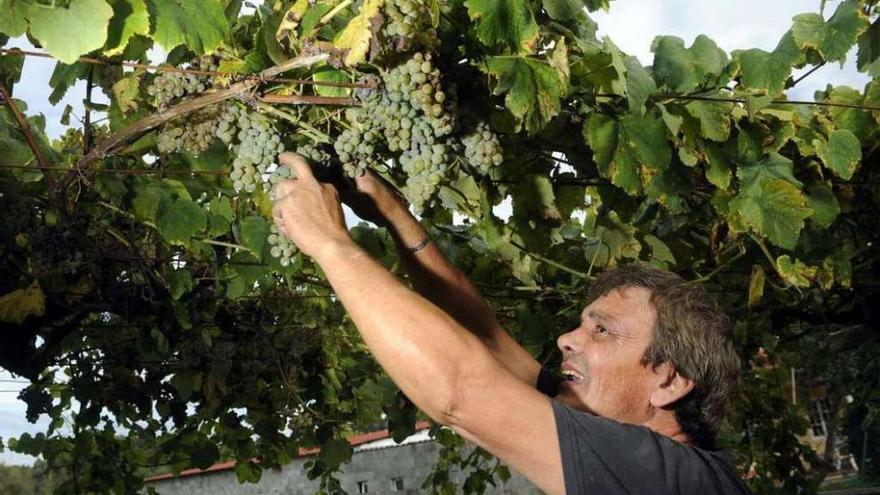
{"type": "Point", "coordinates": [649, 371]}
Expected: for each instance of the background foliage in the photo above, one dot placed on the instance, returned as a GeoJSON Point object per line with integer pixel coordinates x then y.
{"type": "Point", "coordinates": [139, 295]}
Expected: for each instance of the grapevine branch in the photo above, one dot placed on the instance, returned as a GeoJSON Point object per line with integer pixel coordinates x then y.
{"type": "Point", "coordinates": [134, 131]}
{"type": "Point", "coordinates": [28, 135]}
{"type": "Point", "coordinates": [87, 120]}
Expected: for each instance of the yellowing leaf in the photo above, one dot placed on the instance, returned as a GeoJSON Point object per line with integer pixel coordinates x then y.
{"type": "Point", "coordinates": [842, 153]}
{"type": "Point", "coordinates": [533, 89]}
{"type": "Point", "coordinates": [832, 39]}
{"type": "Point", "coordinates": [507, 22]}
{"type": "Point", "coordinates": [358, 34]}
{"type": "Point", "coordinates": [795, 272]}
{"type": "Point", "coordinates": [286, 31]}
{"type": "Point", "coordinates": [17, 305]}
{"type": "Point", "coordinates": [126, 92]}
{"type": "Point", "coordinates": [756, 285]}
{"type": "Point", "coordinates": [774, 208]}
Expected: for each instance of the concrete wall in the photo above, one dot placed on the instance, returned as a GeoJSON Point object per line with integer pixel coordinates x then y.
{"type": "Point", "coordinates": [411, 462]}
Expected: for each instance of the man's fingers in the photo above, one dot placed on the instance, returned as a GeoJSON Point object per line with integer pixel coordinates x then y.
{"type": "Point", "coordinates": [298, 165]}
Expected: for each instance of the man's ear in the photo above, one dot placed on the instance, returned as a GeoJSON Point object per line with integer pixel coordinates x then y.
{"type": "Point", "coordinates": [671, 386]}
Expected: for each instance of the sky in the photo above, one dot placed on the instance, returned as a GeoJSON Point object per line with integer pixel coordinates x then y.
{"type": "Point", "coordinates": [631, 24]}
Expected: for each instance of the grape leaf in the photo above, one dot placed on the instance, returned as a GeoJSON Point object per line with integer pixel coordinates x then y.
{"type": "Point", "coordinates": [126, 91]}
{"type": "Point", "coordinates": [869, 50]}
{"type": "Point", "coordinates": [774, 208]}
{"type": "Point", "coordinates": [684, 69]}
{"type": "Point", "coordinates": [774, 166]}
{"type": "Point", "coordinates": [507, 22]}
{"type": "Point", "coordinates": [714, 117]}
{"type": "Point", "coordinates": [13, 22]}
{"type": "Point", "coordinates": [533, 89]}
{"type": "Point", "coordinates": [756, 285]}
{"type": "Point", "coordinates": [329, 74]}
{"type": "Point", "coordinates": [639, 85]}
{"type": "Point", "coordinates": [768, 71]}
{"type": "Point", "coordinates": [824, 204]}
{"type": "Point", "coordinates": [358, 34]}
{"type": "Point", "coordinates": [180, 220]}
{"type": "Point", "coordinates": [628, 152]}
{"type": "Point", "coordinates": [720, 167]}
{"type": "Point", "coordinates": [17, 305]}
{"type": "Point", "coordinates": [146, 202]}
{"type": "Point", "coordinates": [832, 39]}
{"type": "Point", "coordinates": [286, 34]}
{"type": "Point", "coordinates": [254, 233]}
{"type": "Point", "coordinates": [795, 272]}
{"type": "Point", "coordinates": [335, 451]}
{"type": "Point", "coordinates": [200, 25]}
{"type": "Point", "coordinates": [179, 283]}
{"type": "Point", "coordinates": [563, 10]}
{"type": "Point", "coordinates": [248, 472]}
{"type": "Point", "coordinates": [855, 120]}
{"type": "Point", "coordinates": [16, 153]}
{"type": "Point", "coordinates": [842, 153]}
{"type": "Point", "coordinates": [130, 17]}
{"type": "Point", "coordinates": [68, 32]}
{"type": "Point", "coordinates": [534, 197]}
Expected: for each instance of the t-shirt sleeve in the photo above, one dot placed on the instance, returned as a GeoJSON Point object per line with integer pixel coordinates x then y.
{"type": "Point", "coordinates": [601, 456]}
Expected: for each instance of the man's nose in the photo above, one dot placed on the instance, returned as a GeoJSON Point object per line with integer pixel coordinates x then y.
{"type": "Point", "coordinates": [568, 343]}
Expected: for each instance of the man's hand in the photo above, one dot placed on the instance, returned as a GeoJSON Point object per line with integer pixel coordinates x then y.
{"type": "Point", "coordinates": [375, 200]}
{"type": "Point", "coordinates": [306, 211]}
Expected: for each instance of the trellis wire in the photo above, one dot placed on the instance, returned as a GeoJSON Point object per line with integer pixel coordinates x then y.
{"type": "Point", "coordinates": [161, 68]}
{"type": "Point", "coordinates": [166, 68]}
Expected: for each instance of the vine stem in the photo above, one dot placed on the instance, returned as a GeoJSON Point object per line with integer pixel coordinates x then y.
{"type": "Point", "coordinates": [550, 262]}
{"type": "Point", "coordinates": [333, 12]}
{"type": "Point", "coordinates": [134, 131]}
{"type": "Point", "coordinates": [28, 136]}
{"type": "Point", "coordinates": [307, 100]}
{"type": "Point", "coordinates": [808, 74]}
{"type": "Point", "coordinates": [318, 135]}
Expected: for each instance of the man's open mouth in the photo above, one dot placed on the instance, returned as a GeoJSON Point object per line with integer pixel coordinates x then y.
{"type": "Point", "coordinates": [572, 376]}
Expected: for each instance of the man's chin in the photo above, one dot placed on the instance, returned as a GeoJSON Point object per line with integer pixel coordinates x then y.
{"type": "Point", "coordinates": [568, 397]}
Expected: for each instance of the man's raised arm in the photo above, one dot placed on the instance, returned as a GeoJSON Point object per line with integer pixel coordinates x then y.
{"type": "Point", "coordinates": [442, 367]}
{"type": "Point", "coordinates": [436, 279]}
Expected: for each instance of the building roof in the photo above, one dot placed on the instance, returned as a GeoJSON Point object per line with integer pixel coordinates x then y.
{"type": "Point", "coordinates": [374, 440]}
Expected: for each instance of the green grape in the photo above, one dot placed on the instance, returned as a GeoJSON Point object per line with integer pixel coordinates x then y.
{"type": "Point", "coordinates": [280, 246]}
{"type": "Point", "coordinates": [482, 150]}
{"type": "Point", "coordinates": [408, 22]}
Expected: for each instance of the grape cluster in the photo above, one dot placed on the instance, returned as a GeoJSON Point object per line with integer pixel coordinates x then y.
{"type": "Point", "coordinates": [482, 150]}
{"type": "Point", "coordinates": [170, 86]}
{"type": "Point", "coordinates": [281, 247]}
{"type": "Point", "coordinates": [54, 248]}
{"type": "Point", "coordinates": [409, 117]}
{"type": "Point", "coordinates": [406, 21]}
{"type": "Point", "coordinates": [258, 145]}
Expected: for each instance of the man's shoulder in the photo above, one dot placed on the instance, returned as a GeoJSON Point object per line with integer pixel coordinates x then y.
{"type": "Point", "coordinates": [615, 457]}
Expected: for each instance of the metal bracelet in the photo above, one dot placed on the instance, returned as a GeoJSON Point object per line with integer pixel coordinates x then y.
{"type": "Point", "coordinates": [419, 246]}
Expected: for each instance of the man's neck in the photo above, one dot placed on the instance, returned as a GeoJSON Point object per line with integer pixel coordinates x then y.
{"type": "Point", "coordinates": [665, 423]}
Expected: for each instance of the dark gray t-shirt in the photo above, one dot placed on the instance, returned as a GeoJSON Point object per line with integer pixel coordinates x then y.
{"type": "Point", "coordinates": [602, 456]}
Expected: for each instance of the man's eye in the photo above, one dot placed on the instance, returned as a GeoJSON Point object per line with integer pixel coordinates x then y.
{"type": "Point", "coordinates": [600, 329]}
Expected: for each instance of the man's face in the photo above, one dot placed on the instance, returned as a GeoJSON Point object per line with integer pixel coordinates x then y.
{"type": "Point", "coordinates": [603, 357]}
